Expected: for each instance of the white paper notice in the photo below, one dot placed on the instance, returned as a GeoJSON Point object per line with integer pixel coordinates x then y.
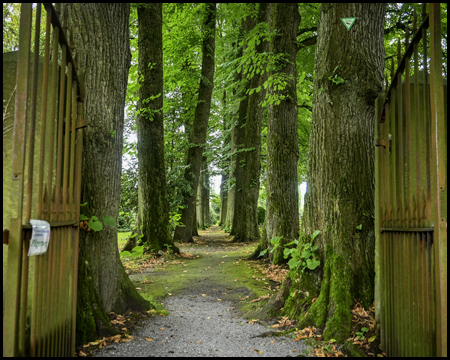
{"type": "Point", "coordinates": [40, 237]}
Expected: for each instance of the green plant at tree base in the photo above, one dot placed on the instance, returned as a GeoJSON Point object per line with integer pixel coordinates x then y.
{"type": "Point", "coordinates": [361, 334]}
{"type": "Point", "coordinates": [137, 251]}
{"type": "Point", "coordinates": [302, 256]}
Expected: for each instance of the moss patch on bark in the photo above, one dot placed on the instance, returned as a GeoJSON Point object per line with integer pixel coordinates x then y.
{"type": "Point", "coordinates": [332, 307]}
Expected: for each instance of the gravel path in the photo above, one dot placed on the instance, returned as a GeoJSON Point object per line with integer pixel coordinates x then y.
{"type": "Point", "coordinates": [199, 324]}
{"type": "Point", "coordinates": [202, 326]}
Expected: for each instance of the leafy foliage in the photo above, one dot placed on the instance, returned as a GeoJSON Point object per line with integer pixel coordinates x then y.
{"type": "Point", "coordinates": [301, 254]}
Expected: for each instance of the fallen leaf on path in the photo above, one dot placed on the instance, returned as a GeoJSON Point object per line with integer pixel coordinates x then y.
{"type": "Point", "coordinates": [148, 339]}
{"type": "Point", "coordinates": [261, 298]}
{"type": "Point", "coordinates": [199, 342]}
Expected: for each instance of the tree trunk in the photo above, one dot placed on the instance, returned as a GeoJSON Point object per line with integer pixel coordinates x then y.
{"type": "Point", "coordinates": [223, 200]}
{"type": "Point", "coordinates": [223, 161]}
{"type": "Point", "coordinates": [340, 195]}
{"type": "Point", "coordinates": [101, 39]}
{"type": "Point", "coordinates": [197, 137]}
{"type": "Point", "coordinates": [282, 142]}
{"type": "Point", "coordinates": [248, 184]}
{"type": "Point", "coordinates": [153, 205]}
{"type": "Point", "coordinates": [202, 211]}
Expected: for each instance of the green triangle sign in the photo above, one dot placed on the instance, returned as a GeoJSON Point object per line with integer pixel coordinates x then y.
{"type": "Point", "coordinates": [348, 22]}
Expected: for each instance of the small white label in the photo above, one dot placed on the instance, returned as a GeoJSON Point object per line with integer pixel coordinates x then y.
{"type": "Point", "coordinates": [40, 237]}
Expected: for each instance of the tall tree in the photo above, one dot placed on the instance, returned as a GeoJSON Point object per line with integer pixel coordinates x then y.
{"type": "Point", "coordinates": [101, 40]}
{"type": "Point", "coordinates": [282, 144]}
{"type": "Point", "coordinates": [197, 136]}
{"type": "Point", "coordinates": [153, 205]}
{"type": "Point", "coordinates": [237, 126]}
{"type": "Point", "coordinates": [247, 183]}
{"type": "Point", "coordinates": [339, 201]}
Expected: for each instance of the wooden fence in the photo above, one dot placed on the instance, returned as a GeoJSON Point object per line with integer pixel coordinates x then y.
{"type": "Point", "coordinates": [411, 199]}
{"type": "Point", "coordinates": [40, 291]}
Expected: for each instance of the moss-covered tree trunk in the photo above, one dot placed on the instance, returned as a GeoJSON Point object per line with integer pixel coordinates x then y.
{"type": "Point", "coordinates": [249, 160]}
{"type": "Point", "coordinates": [340, 195]}
{"type": "Point", "coordinates": [153, 205]}
{"type": "Point", "coordinates": [282, 142]}
{"type": "Point", "coordinates": [101, 39]}
{"type": "Point", "coordinates": [197, 136]}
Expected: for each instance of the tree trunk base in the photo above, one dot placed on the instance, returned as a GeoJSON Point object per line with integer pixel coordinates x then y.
{"type": "Point", "coordinates": [322, 302]}
{"type": "Point", "coordinates": [130, 244]}
{"type": "Point", "coordinates": [92, 321]}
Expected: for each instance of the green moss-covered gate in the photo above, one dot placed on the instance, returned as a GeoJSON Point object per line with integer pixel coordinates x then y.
{"type": "Point", "coordinates": [39, 295]}
{"type": "Point", "coordinates": [411, 200]}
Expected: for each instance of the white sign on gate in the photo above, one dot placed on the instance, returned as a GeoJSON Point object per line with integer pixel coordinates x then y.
{"type": "Point", "coordinates": [40, 237]}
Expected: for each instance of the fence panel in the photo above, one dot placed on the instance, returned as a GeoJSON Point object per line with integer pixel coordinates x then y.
{"type": "Point", "coordinates": [411, 200]}
{"type": "Point", "coordinates": [41, 291]}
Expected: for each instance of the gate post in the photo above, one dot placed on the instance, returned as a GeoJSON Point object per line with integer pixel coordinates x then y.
{"type": "Point", "coordinates": [439, 178]}
{"type": "Point", "coordinates": [14, 264]}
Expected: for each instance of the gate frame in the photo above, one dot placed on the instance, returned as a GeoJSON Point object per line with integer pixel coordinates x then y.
{"type": "Point", "coordinates": [438, 175]}
{"type": "Point", "coordinates": [59, 205]}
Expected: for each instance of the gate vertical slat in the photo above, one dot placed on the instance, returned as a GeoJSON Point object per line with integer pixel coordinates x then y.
{"type": "Point", "coordinates": [76, 231]}
{"type": "Point", "coordinates": [411, 218]}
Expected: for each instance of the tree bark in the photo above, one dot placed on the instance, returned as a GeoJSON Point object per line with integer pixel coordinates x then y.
{"type": "Point", "coordinates": [101, 39]}
{"type": "Point", "coordinates": [282, 142]}
{"type": "Point", "coordinates": [340, 196]}
{"type": "Point", "coordinates": [197, 137]}
{"type": "Point", "coordinates": [153, 205]}
{"type": "Point", "coordinates": [202, 213]}
{"type": "Point", "coordinates": [248, 183]}
{"type": "Point", "coordinates": [223, 161]}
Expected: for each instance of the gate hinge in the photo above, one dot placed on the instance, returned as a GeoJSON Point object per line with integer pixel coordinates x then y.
{"type": "Point", "coordinates": [5, 236]}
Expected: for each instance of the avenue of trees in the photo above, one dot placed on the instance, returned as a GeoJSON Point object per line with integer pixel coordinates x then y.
{"type": "Point", "coordinates": [264, 95]}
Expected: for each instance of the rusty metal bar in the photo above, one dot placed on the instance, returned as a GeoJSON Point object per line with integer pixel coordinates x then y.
{"type": "Point", "coordinates": [55, 224]}
{"type": "Point", "coordinates": [77, 190]}
{"type": "Point", "coordinates": [34, 91]}
{"type": "Point", "coordinates": [406, 229]}
{"type": "Point", "coordinates": [439, 185]}
{"type": "Point", "coordinates": [63, 42]}
{"type": "Point", "coordinates": [72, 154]}
{"type": "Point", "coordinates": [14, 268]}
{"type": "Point", "coordinates": [35, 332]}
{"type": "Point", "coordinates": [401, 65]}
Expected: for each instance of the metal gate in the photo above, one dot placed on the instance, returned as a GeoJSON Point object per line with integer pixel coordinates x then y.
{"type": "Point", "coordinates": [40, 291]}
{"type": "Point", "coordinates": [411, 200]}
